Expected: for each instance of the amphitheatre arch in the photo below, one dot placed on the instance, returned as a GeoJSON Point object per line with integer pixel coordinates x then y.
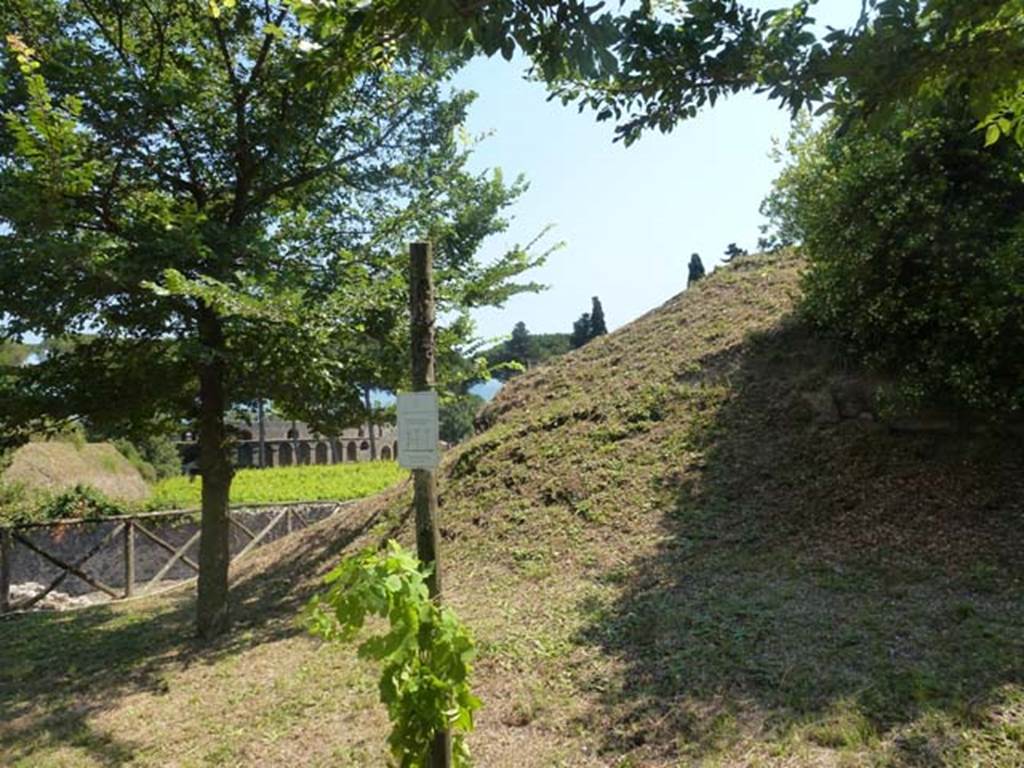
{"type": "Point", "coordinates": [284, 455]}
{"type": "Point", "coordinates": [286, 443]}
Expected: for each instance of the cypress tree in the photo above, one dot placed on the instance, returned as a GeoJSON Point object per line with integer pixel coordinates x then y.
{"type": "Point", "coordinates": [580, 331]}
{"type": "Point", "coordinates": [696, 269]}
{"type": "Point", "coordinates": [519, 345]}
{"type": "Point", "coordinates": [597, 326]}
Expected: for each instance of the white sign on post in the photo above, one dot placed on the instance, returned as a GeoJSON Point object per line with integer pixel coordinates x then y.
{"type": "Point", "coordinates": [419, 432]}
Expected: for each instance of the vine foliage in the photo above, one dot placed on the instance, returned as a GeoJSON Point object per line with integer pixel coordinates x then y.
{"type": "Point", "coordinates": [426, 650]}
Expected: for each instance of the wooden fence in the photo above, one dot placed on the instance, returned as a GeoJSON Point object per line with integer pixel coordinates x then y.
{"type": "Point", "coordinates": [126, 535]}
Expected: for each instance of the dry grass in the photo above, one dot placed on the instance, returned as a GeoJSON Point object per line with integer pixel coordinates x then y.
{"type": "Point", "coordinates": [58, 466]}
{"type": "Point", "coordinates": [668, 561]}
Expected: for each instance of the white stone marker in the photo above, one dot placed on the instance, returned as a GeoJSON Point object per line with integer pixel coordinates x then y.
{"type": "Point", "coordinates": [419, 431]}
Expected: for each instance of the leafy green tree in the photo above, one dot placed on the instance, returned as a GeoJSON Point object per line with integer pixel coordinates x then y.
{"type": "Point", "coordinates": [673, 59]}
{"type": "Point", "coordinates": [565, 39]}
{"type": "Point", "coordinates": [645, 68]}
{"type": "Point", "coordinates": [905, 50]}
{"type": "Point", "coordinates": [580, 331]}
{"type": "Point", "coordinates": [549, 345]}
{"type": "Point", "coordinates": [457, 416]}
{"type": "Point", "coordinates": [652, 65]}
{"type": "Point", "coordinates": [154, 455]}
{"type": "Point", "coordinates": [914, 237]}
{"type": "Point", "coordinates": [219, 196]}
{"type": "Point", "coordinates": [597, 324]}
{"type": "Point", "coordinates": [695, 270]}
{"type": "Point", "coordinates": [160, 452]}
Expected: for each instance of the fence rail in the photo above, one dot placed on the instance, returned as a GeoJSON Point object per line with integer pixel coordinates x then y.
{"type": "Point", "coordinates": [130, 534]}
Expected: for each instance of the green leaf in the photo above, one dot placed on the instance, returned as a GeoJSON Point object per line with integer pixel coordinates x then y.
{"type": "Point", "coordinates": [992, 135]}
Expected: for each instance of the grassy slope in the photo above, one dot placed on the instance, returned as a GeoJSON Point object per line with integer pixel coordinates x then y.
{"type": "Point", "coordinates": [57, 466]}
{"type": "Point", "coordinates": [666, 558]}
{"type": "Point", "coordinates": [330, 482]}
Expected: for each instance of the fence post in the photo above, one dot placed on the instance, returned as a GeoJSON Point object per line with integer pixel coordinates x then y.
{"type": "Point", "coordinates": [6, 549]}
{"type": "Point", "coordinates": [288, 520]}
{"type": "Point", "coordinates": [129, 558]}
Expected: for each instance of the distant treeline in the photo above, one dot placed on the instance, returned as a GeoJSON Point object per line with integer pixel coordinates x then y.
{"type": "Point", "coordinates": [537, 349]}
{"type": "Point", "coordinates": [524, 350]}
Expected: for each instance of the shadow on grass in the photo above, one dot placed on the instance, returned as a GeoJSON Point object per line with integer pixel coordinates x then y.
{"type": "Point", "coordinates": [827, 583]}
{"type": "Point", "coordinates": [58, 670]}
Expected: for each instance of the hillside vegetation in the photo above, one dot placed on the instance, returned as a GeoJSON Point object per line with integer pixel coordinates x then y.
{"type": "Point", "coordinates": [690, 542]}
{"type": "Point", "coordinates": [52, 467]}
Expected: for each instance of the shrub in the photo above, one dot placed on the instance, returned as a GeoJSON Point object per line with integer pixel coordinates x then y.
{"type": "Point", "coordinates": [426, 652]}
{"type": "Point", "coordinates": [130, 452]}
{"type": "Point", "coordinates": [15, 505]}
{"type": "Point", "coordinates": [914, 233]}
{"type": "Point", "coordinates": [155, 456]}
{"type": "Point", "coordinates": [161, 453]}
{"type": "Point", "coordinates": [81, 501]}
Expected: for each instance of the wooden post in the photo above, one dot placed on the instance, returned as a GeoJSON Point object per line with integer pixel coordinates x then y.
{"type": "Point", "coordinates": [369, 423]}
{"type": "Point", "coordinates": [428, 540]}
{"type": "Point", "coordinates": [129, 558]}
{"type": "Point", "coordinates": [261, 417]}
{"type": "Point", "coordinates": [6, 550]}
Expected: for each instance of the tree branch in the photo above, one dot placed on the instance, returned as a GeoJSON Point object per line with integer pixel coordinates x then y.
{"type": "Point", "coordinates": [268, 42]}
{"type": "Point", "coordinates": [243, 158]}
{"type": "Point", "coordinates": [312, 174]}
{"type": "Point", "coordinates": [194, 185]}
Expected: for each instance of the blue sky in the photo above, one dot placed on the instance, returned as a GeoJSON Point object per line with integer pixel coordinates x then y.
{"type": "Point", "coordinates": [630, 218]}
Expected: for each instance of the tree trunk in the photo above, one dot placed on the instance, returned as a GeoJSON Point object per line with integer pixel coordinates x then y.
{"type": "Point", "coordinates": [428, 538]}
{"type": "Point", "coordinates": [369, 424]}
{"type": "Point", "coordinates": [212, 616]}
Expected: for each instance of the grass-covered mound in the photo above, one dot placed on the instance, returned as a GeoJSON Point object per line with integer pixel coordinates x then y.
{"type": "Point", "coordinates": [53, 467]}
{"type": "Point", "coordinates": [332, 482]}
{"type": "Point", "coordinates": [681, 545]}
